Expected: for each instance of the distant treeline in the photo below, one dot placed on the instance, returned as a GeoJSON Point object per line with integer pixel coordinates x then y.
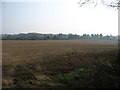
{"type": "Point", "coordinates": [60, 36]}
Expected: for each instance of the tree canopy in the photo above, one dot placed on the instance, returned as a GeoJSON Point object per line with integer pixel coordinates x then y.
{"type": "Point", "coordinates": [60, 36]}
{"type": "Point", "coordinates": [109, 3]}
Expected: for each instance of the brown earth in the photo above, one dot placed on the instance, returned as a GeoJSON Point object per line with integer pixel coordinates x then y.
{"type": "Point", "coordinates": [42, 59]}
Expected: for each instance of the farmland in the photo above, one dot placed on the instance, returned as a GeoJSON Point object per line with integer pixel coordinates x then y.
{"type": "Point", "coordinates": [42, 63]}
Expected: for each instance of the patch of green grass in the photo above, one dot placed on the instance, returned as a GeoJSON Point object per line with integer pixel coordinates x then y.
{"type": "Point", "coordinates": [78, 79]}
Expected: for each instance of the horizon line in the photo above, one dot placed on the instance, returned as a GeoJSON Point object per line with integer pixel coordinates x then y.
{"type": "Point", "coordinates": [60, 33]}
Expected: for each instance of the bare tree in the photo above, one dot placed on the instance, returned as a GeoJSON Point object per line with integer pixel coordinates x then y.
{"type": "Point", "coordinates": [109, 3]}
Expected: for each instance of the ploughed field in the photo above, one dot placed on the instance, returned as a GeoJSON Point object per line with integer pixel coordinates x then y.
{"type": "Point", "coordinates": [37, 63]}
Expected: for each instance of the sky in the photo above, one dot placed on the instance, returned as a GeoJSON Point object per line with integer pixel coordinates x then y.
{"type": "Point", "coordinates": [57, 16]}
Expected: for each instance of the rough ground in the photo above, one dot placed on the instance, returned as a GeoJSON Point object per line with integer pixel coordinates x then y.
{"type": "Point", "coordinates": [37, 61]}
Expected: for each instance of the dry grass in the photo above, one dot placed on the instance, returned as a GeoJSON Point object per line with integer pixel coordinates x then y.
{"type": "Point", "coordinates": [50, 57]}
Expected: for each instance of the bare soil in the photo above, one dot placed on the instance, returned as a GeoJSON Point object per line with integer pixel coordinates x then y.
{"type": "Point", "coordinates": [44, 59]}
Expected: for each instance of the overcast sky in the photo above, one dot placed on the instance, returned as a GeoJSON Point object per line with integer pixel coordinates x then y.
{"type": "Point", "coordinates": [58, 16]}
